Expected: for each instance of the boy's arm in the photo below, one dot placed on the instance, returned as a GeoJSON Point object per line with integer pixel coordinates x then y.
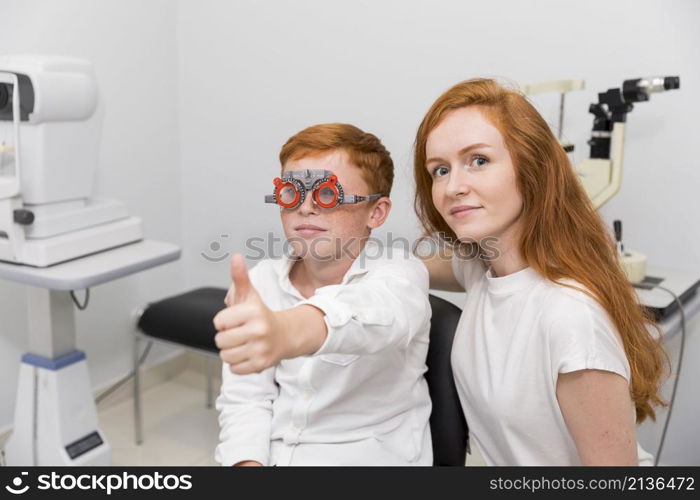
{"type": "Point", "coordinates": [245, 416]}
{"type": "Point", "coordinates": [245, 413]}
{"type": "Point", "coordinates": [387, 307]}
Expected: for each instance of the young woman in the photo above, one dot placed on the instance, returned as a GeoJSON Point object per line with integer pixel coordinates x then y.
{"type": "Point", "coordinates": [553, 358]}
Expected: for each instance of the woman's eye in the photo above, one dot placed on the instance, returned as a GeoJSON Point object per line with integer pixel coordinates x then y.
{"type": "Point", "coordinates": [440, 171]}
{"type": "Point", "coordinates": [478, 161]}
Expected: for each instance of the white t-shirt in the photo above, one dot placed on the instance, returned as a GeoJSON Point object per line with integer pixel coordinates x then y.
{"type": "Point", "coordinates": [516, 334]}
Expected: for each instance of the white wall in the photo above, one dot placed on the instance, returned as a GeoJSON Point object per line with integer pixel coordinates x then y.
{"type": "Point", "coordinates": [133, 47]}
{"type": "Point", "coordinates": [254, 73]}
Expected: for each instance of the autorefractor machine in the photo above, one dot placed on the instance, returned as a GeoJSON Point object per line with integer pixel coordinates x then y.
{"type": "Point", "coordinates": [54, 238]}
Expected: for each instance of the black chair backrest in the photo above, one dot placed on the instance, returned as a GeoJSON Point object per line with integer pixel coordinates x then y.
{"type": "Point", "coordinates": [185, 319]}
{"type": "Point", "coordinates": [448, 425]}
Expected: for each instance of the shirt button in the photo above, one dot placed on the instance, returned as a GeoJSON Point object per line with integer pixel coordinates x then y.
{"type": "Point", "coordinates": [307, 397]}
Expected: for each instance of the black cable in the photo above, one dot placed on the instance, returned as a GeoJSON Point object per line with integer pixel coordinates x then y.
{"type": "Point", "coordinates": [75, 300]}
{"type": "Point", "coordinates": [126, 378]}
{"type": "Point", "coordinates": [142, 358]}
{"type": "Point", "coordinates": [678, 371]}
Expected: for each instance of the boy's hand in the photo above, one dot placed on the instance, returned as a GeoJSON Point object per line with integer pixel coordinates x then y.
{"type": "Point", "coordinates": [228, 300]}
{"type": "Point", "coordinates": [249, 337]}
{"type": "Point", "coordinates": [252, 337]}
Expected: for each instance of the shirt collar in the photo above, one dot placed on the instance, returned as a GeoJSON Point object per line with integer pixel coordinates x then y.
{"type": "Point", "coordinates": [361, 265]}
{"type": "Point", "coordinates": [512, 283]}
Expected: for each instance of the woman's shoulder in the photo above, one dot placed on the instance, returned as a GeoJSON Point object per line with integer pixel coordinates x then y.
{"type": "Point", "coordinates": [570, 304]}
{"type": "Point", "coordinates": [580, 333]}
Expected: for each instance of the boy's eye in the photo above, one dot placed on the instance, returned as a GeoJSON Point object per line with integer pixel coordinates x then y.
{"type": "Point", "coordinates": [287, 194]}
{"type": "Point", "coordinates": [440, 171]}
{"type": "Point", "coordinates": [326, 195]}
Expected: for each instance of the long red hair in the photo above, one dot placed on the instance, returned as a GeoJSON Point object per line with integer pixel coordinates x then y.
{"type": "Point", "coordinates": [564, 237]}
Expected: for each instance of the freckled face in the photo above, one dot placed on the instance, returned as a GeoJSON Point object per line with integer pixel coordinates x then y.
{"type": "Point", "coordinates": [474, 181]}
{"type": "Point", "coordinates": [325, 231]}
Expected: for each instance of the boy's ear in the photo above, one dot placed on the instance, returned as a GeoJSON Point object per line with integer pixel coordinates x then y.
{"type": "Point", "coordinates": [379, 213]}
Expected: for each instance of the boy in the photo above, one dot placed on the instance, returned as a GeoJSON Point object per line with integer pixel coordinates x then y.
{"type": "Point", "coordinates": [324, 352]}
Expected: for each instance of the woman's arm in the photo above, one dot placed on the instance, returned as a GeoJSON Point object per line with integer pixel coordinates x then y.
{"type": "Point", "coordinates": [598, 412]}
{"type": "Point", "coordinates": [442, 276]}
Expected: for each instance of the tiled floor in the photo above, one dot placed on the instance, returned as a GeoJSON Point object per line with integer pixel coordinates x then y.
{"type": "Point", "coordinates": [178, 429]}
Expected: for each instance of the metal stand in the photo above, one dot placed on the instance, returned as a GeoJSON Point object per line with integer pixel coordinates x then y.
{"type": "Point", "coordinates": [54, 412]}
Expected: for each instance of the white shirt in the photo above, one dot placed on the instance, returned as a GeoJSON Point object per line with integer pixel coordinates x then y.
{"type": "Point", "coordinates": [361, 399]}
{"type": "Point", "coordinates": [516, 334]}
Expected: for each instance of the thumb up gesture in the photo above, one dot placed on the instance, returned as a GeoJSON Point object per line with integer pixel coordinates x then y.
{"type": "Point", "coordinates": [250, 337]}
{"type": "Point", "coordinates": [241, 286]}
